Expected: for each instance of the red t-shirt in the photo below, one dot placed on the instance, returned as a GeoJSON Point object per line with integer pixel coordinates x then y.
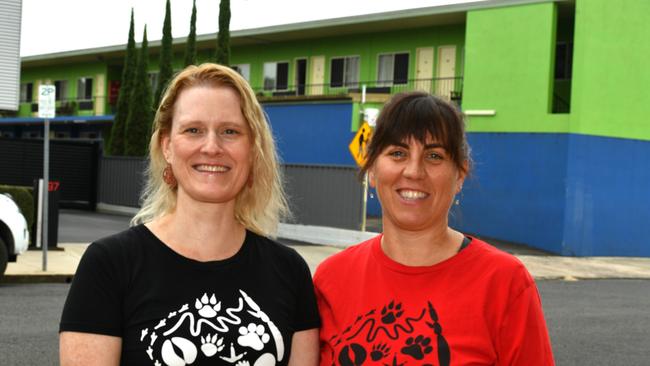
{"type": "Point", "coordinates": [479, 307]}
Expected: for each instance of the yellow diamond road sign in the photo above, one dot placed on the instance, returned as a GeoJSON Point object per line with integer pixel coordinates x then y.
{"type": "Point", "coordinates": [359, 143]}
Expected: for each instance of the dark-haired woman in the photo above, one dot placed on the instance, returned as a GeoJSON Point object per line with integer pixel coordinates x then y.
{"type": "Point", "coordinates": [422, 293]}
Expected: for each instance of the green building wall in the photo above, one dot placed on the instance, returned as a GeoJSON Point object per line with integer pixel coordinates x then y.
{"type": "Point", "coordinates": [611, 73]}
{"type": "Point", "coordinates": [509, 69]}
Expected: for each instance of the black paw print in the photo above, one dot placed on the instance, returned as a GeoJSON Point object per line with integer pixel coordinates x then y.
{"type": "Point", "coordinates": [417, 347]}
{"type": "Point", "coordinates": [390, 313]}
{"type": "Point", "coordinates": [379, 351]}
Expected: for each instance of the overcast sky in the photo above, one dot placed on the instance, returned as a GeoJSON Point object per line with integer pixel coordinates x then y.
{"type": "Point", "coordinates": [50, 26]}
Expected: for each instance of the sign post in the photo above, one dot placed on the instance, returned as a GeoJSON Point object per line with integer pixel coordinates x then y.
{"type": "Point", "coordinates": [46, 110]}
{"type": "Point", "coordinates": [358, 150]}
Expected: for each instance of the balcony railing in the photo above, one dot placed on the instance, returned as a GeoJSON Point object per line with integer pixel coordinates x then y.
{"type": "Point", "coordinates": [76, 106]}
{"type": "Point", "coordinates": [450, 88]}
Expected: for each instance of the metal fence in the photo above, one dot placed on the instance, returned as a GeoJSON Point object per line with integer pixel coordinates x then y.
{"type": "Point", "coordinates": [324, 195]}
{"type": "Point", "coordinates": [73, 163]}
{"type": "Point", "coordinates": [321, 195]}
{"type": "Point", "coordinates": [121, 180]}
{"type": "Point", "coordinates": [450, 88]}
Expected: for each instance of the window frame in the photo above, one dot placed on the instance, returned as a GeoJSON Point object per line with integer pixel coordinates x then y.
{"type": "Point", "coordinates": [392, 82]}
{"type": "Point", "coordinates": [275, 80]}
{"type": "Point", "coordinates": [85, 97]}
{"type": "Point", "coordinates": [345, 83]}
{"type": "Point", "coordinates": [29, 92]}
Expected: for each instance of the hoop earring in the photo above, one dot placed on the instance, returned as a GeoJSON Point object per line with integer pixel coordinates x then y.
{"type": "Point", "coordinates": [168, 177]}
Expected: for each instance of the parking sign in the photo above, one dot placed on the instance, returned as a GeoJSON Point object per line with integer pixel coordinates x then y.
{"type": "Point", "coordinates": [46, 103]}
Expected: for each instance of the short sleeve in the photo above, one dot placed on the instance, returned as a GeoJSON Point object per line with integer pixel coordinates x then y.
{"type": "Point", "coordinates": [306, 315]}
{"type": "Point", "coordinates": [523, 336]}
{"type": "Point", "coordinates": [94, 302]}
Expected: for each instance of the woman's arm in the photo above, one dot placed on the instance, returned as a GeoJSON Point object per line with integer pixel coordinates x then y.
{"type": "Point", "coordinates": [81, 349]}
{"type": "Point", "coordinates": [304, 348]}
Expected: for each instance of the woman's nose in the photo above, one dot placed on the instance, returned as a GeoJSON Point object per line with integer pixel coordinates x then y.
{"type": "Point", "coordinates": [414, 169]}
{"type": "Point", "coordinates": [211, 144]}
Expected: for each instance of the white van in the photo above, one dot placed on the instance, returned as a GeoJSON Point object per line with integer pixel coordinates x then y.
{"type": "Point", "coordinates": [14, 236]}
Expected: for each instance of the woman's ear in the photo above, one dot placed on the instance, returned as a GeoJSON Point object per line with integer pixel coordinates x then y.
{"type": "Point", "coordinates": [164, 146]}
{"type": "Point", "coordinates": [371, 179]}
{"type": "Point", "coordinates": [462, 174]}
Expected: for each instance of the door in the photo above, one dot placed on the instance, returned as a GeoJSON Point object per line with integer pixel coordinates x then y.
{"type": "Point", "coordinates": [100, 94]}
{"type": "Point", "coordinates": [301, 76]}
{"type": "Point", "coordinates": [317, 75]}
{"type": "Point", "coordinates": [446, 71]}
{"type": "Point", "coordinates": [424, 69]}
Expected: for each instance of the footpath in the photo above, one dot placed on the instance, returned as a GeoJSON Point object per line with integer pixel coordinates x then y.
{"type": "Point", "coordinates": [317, 243]}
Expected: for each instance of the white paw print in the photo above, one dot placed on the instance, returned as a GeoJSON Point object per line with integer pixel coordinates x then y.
{"type": "Point", "coordinates": [253, 336]}
{"type": "Point", "coordinates": [208, 308]}
{"type": "Point", "coordinates": [210, 346]}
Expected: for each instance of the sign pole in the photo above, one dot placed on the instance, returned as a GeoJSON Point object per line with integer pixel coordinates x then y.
{"type": "Point", "coordinates": [364, 208]}
{"type": "Point", "coordinates": [46, 110]}
{"type": "Point", "coordinates": [46, 189]}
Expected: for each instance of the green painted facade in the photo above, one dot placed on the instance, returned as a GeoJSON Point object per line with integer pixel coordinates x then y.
{"type": "Point", "coordinates": [509, 69]}
{"type": "Point", "coordinates": [611, 74]}
{"type": "Point", "coordinates": [505, 63]}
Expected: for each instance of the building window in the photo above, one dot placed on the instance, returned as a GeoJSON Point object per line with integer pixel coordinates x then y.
{"type": "Point", "coordinates": [85, 89]}
{"type": "Point", "coordinates": [563, 60]}
{"type": "Point", "coordinates": [243, 70]}
{"type": "Point", "coordinates": [393, 69]}
{"type": "Point", "coordinates": [61, 89]}
{"type": "Point", "coordinates": [344, 71]}
{"type": "Point", "coordinates": [276, 75]}
{"type": "Point", "coordinates": [26, 92]}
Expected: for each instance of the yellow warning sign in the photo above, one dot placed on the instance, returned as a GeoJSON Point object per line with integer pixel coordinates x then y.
{"type": "Point", "coordinates": [359, 143]}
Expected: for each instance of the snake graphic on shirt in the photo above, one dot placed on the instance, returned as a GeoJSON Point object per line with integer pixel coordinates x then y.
{"type": "Point", "coordinates": [241, 334]}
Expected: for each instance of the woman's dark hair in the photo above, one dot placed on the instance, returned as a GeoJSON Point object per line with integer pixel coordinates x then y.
{"type": "Point", "coordinates": [420, 116]}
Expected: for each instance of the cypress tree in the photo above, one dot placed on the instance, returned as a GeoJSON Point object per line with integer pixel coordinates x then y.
{"type": "Point", "coordinates": [223, 37]}
{"type": "Point", "coordinates": [115, 145]}
{"type": "Point", "coordinates": [166, 57]}
{"type": "Point", "coordinates": [138, 125]}
{"type": "Point", "coordinates": [190, 47]}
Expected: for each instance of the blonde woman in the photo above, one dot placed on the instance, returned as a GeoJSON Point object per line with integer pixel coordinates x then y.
{"type": "Point", "coordinates": [196, 281]}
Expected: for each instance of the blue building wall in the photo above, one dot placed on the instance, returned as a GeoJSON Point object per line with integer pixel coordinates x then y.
{"type": "Point", "coordinates": [316, 133]}
{"type": "Point", "coordinates": [565, 193]}
{"type": "Point", "coordinates": [608, 197]}
{"type": "Point", "coordinates": [517, 189]}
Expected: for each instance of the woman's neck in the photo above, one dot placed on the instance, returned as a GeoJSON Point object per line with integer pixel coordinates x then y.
{"type": "Point", "coordinates": [422, 247]}
{"type": "Point", "coordinates": [204, 232]}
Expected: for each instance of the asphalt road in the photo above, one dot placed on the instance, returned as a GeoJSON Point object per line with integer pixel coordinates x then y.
{"type": "Point", "coordinates": [600, 322]}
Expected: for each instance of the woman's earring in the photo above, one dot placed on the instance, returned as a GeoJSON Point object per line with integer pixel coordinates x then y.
{"type": "Point", "coordinates": [168, 177]}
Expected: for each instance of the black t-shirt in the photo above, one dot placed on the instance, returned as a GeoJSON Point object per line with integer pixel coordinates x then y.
{"type": "Point", "coordinates": [172, 310]}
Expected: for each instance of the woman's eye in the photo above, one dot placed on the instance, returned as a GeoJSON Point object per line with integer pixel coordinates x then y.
{"type": "Point", "coordinates": [432, 155]}
{"type": "Point", "coordinates": [397, 154]}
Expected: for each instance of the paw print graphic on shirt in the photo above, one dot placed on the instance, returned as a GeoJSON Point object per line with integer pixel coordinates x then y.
{"type": "Point", "coordinates": [417, 347]}
{"type": "Point", "coordinates": [253, 336]}
{"type": "Point", "coordinates": [210, 345]}
{"type": "Point", "coordinates": [391, 312]}
{"type": "Point", "coordinates": [207, 308]}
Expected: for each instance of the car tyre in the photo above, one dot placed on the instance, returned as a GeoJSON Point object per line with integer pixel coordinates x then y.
{"type": "Point", "coordinates": [4, 257]}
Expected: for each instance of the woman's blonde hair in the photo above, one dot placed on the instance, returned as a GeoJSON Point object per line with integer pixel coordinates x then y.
{"type": "Point", "coordinates": [260, 207]}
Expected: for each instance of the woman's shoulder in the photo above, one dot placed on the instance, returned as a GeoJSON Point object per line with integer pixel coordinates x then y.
{"type": "Point", "coordinates": [271, 248]}
{"type": "Point", "coordinates": [500, 264]}
{"type": "Point", "coordinates": [348, 257]}
{"type": "Point", "coordinates": [115, 244]}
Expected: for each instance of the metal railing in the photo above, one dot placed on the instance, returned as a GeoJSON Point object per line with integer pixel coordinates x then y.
{"type": "Point", "coordinates": [76, 106]}
{"type": "Point", "coordinates": [450, 88]}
